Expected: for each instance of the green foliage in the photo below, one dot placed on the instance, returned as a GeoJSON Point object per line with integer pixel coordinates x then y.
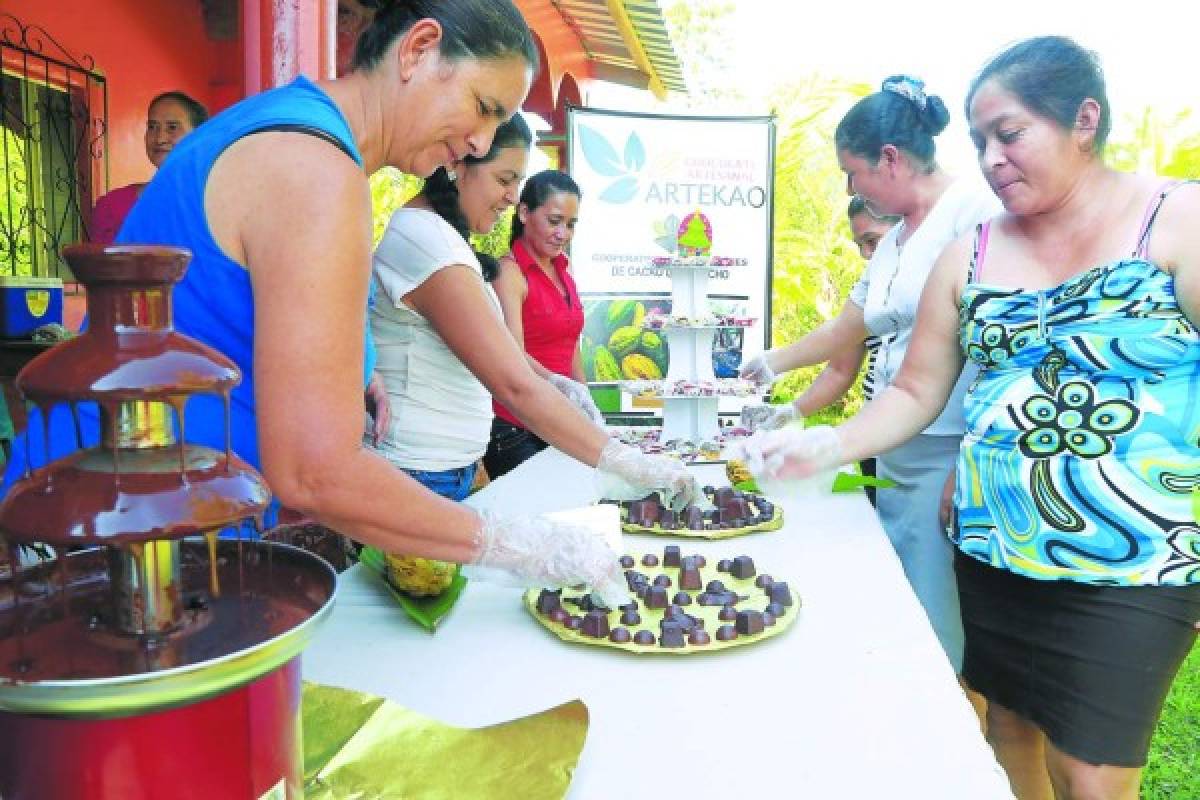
{"type": "Point", "coordinates": [816, 261]}
{"type": "Point", "coordinates": [1174, 767]}
{"type": "Point", "coordinates": [391, 189]}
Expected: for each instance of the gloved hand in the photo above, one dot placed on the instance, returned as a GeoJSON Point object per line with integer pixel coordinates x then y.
{"type": "Point", "coordinates": [627, 473]}
{"type": "Point", "coordinates": [767, 417]}
{"type": "Point", "coordinates": [544, 553]}
{"type": "Point", "coordinates": [757, 369]}
{"type": "Point", "coordinates": [578, 394]}
{"type": "Point", "coordinates": [792, 459]}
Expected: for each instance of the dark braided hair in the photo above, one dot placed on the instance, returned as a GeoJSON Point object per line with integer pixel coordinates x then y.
{"type": "Point", "coordinates": [442, 193]}
{"type": "Point", "coordinates": [537, 190]}
{"type": "Point", "coordinates": [476, 29]}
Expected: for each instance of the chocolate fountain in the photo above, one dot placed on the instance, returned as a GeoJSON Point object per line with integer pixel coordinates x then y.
{"type": "Point", "coordinates": [141, 655]}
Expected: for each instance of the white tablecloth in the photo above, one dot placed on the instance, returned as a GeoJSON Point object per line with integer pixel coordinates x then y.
{"type": "Point", "coordinates": [856, 700]}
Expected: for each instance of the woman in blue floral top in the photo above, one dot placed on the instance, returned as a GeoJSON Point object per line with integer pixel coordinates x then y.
{"type": "Point", "coordinates": [1078, 548]}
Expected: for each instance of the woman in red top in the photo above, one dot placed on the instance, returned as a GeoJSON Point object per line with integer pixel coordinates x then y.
{"type": "Point", "coordinates": [169, 117]}
{"type": "Point", "coordinates": [541, 308]}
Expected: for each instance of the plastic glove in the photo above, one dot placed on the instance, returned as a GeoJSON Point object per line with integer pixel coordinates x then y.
{"type": "Point", "coordinates": [757, 369]}
{"type": "Point", "coordinates": [766, 417]}
{"type": "Point", "coordinates": [627, 473]}
{"type": "Point", "coordinates": [544, 553]}
{"type": "Point", "coordinates": [792, 460]}
{"type": "Point", "coordinates": [578, 394]}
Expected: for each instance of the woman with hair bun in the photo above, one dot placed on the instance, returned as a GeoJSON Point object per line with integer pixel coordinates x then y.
{"type": "Point", "coordinates": [885, 145]}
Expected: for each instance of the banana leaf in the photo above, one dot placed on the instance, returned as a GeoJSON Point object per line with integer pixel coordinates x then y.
{"type": "Point", "coordinates": [427, 612]}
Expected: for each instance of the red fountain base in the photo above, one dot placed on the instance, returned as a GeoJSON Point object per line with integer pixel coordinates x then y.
{"type": "Point", "coordinates": [243, 744]}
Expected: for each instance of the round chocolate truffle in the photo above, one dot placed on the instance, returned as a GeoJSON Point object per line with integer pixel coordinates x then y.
{"type": "Point", "coordinates": [682, 599]}
{"type": "Point", "coordinates": [627, 562]}
{"type": "Point", "coordinates": [727, 613]}
{"type": "Point", "coordinates": [698, 636]}
{"type": "Point", "coordinates": [643, 637]}
{"type": "Point", "coordinates": [715, 586]}
{"type": "Point", "coordinates": [650, 560]}
{"type": "Point", "coordinates": [619, 635]}
{"type": "Point", "coordinates": [662, 580]}
{"type": "Point", "coordinates": [631, 618]}
{"type": "Point", "coordinates": [726, 633]}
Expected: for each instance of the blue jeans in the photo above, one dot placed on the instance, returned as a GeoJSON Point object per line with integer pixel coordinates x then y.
{"type": "Point", "coordinates": [453, 484]}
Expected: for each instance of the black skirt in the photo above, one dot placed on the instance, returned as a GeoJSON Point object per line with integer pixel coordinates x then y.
{"type": "Point", "coordinates": [1089, 665]}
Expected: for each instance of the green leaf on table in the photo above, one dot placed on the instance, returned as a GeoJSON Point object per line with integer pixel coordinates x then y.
{"type": "Point", "coordinates": [428, 612]}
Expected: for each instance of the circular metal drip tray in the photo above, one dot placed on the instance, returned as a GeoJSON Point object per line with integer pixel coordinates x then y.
{"type": "Point", "coordinates": [59, 655]}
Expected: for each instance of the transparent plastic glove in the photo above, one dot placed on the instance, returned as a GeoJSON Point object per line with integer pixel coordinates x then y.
{"type": "Point", "coordinates": [543, 553]}
{"type": "Point", "coordinates": [793, 460]}
{"type": "Point", "coordinates": [579, 396]}
{"type": "Point", "coordinates": [627, 473]}
{"type": "Point", "coordinates": [757, 369]}
{"type": "Point", "coordinates": [766, 417]}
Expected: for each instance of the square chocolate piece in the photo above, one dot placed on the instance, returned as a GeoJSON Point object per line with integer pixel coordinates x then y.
{"type": "Point", "coordinates": [742, 567]}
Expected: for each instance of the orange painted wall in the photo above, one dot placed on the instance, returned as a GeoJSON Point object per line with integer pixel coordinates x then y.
{"type": "Point", "coordinates": [142, 47]}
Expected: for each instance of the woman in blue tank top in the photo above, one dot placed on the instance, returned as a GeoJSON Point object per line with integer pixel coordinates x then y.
{"type": "Point", "coordinates": [271, 198]}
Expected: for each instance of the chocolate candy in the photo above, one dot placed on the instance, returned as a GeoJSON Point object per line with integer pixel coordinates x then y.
{"type": "Point", "coordinates": [723, 495]}
{"type": "Point", "coordinates": [779, 593]}
{"type": "Point", "coordinates": [672, 635]}
{"type": "Point", "coordinates": [763, 581]}
{"type": "Point", "coordinates": [768, 619]}
{"type": "Point", "coordinates": [635, 579]}
{"type": "Point", "coordinates": [631, 618]}
{"type": "Point", "coordinates": [700, 560]}
{"type": "Point", "coordinates": [627, 562]}
{"type": "Point", "coordinates": [727, 614]}
{"type": "Point", "coordinates": [650, 560]}
{"type": "Point", "coordinates": [671, 555]}
{"type": "Point", "coordinates": [595, 624]}
{"type": "Point", "coordinates": [724, 565]}
{"type": "Point", "coordinates": [682, 599]}
{"type": "Point", "coordinates": [662, 580]}
{"type": "Point", "coordinates": [743, 567]}
{"type": "Point", "coordinates": [574, 622]}
{"type": "Point", "coordinates": [656, 597]}
{"type": "Point", "coordinates": [689, 575]}
{"type": "Point", "coordinates": [559, 615]}
{"type": "Point", "coordinates": [619, 635]}
{"type": "Point", "coordinates": [710, 599]}
{"type": "Point", "coordinates": [644, 512]}
{"type": "Point", "coordinates": [726, 633]}
{"type": "Point", "coordinates": [776, 610]}
{"type": "Point", "coordinates": [749, 622]}
{"type": "Point", "coordinates": [715, 586]}
{"type": "Point", "coordinates": [698, 637]}
{"type": "Point", "coordinates": [693, 518]}
{"type": "Point", "coordinates": [668, 520]}
{"type": "Point", "coordinates": [548, 600]}
{"type": "Point", "coordinates": [643, 637]}
{"type": "Point", "coordinates": [631, 606]}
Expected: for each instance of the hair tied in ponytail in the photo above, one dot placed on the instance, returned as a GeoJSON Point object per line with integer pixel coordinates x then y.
{"type": "Point", "coordinates": [912, 89]}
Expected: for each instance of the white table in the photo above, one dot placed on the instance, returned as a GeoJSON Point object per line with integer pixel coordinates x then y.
{"type": "Point", "coordinates": [856, 700]}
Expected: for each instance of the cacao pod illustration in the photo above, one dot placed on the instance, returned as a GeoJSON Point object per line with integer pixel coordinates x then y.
{"type": "Point", "coordinates": [625, 312]}
{"type": "Point", "coordinates": [624, 341]}
{"type": "Point", "coordinates": [637, 367]}
{"type": "Point", "coordinates": [605, 365]}
{"type": "Point", "coordinates": [653, 345]}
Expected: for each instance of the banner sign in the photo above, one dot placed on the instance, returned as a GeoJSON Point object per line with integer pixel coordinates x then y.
{"type": "Point", "coordinates": [659, 187]}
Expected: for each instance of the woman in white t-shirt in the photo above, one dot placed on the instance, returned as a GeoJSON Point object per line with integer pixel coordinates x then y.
{"type": "Point", "coordinates": [885, 146]}
{"type": "Point", "coordinates": [444, 350]}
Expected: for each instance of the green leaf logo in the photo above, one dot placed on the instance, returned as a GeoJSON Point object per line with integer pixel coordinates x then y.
{"type": "Point", "coordinates": [602, 157]}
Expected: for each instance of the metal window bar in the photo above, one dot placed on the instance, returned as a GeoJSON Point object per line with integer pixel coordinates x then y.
{"type": "Point", "coordinates": [53, 142]}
